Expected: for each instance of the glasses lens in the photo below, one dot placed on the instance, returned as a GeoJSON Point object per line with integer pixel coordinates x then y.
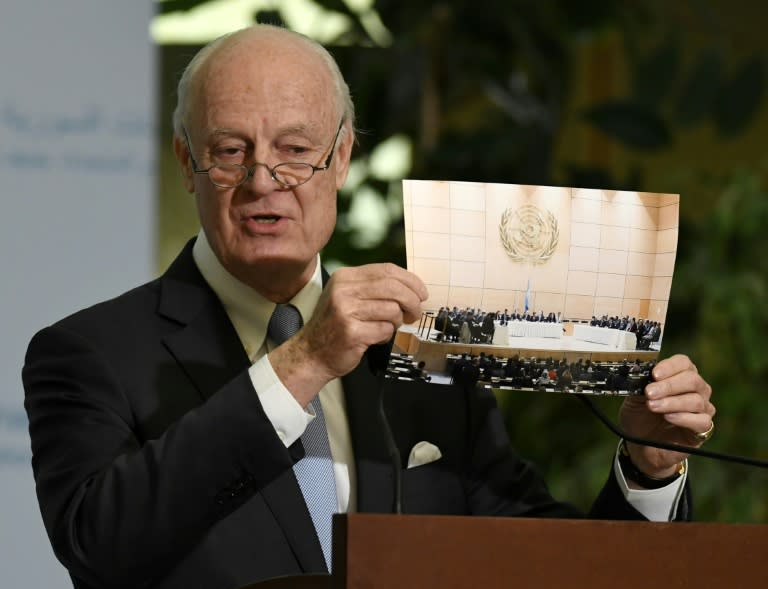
{"type": "Point", "coordinates": [293, 174]}
{"type": "Point", "coordinates": [227, 175]}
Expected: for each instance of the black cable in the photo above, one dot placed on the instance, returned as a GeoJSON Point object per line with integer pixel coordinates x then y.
{"type": "Point", "coordinates": [392, 449]}
{"type": "Point", "coordinates": [378, 360]}
{"type": "Point", "coordinates": [664, 446]}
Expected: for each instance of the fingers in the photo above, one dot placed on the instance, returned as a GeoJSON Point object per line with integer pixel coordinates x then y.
{"type": "Point", "coordinates": [680, 395]}
{"type": "Point", "coordinates": [359, 307]}
{"type": "Point", "coordinates": [674, 376]}
{"type": "Point", "coordinates": [696, 423]}
{"type": "Point", "coordinates": [366, 291]}
{"type": "Point", "coordinates": [395, 278]}
{"type": "Point", "coordinates": [374, 302]}
{"type": "Point", "coordinates": [684, 402]}
{"type": "Point", "coordinates": [362, 325]}
{"type": "Point", "coordinates": [387, 271]}
{"type": "Point", "coordinates": [673, 365]}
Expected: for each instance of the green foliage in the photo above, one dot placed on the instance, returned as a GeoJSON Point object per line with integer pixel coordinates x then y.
{"type": "Point", "coordinates": [699, 91]}
{"type": "Point", "coordinates": [740, 98]}
{"type": "Point", "coordinates": [723, 285]}
{"type": "Point", "coordinates": [632, 124]}
{"type": "Point", "coordinates": [655, 74]}
{"type": "Point", "coordinates": [642, 121]}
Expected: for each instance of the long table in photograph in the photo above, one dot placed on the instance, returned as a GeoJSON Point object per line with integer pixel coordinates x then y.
{"type": "Point", "coordinates": [503, 333]}
{"type": "Point", "coordinates": [615, 338]}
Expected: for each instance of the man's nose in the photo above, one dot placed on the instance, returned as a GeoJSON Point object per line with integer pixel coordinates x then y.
{"type": "Point", "coordinates": [260, 178]}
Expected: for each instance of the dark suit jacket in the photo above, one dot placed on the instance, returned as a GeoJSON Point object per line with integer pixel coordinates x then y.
{"type": "Point", "coordinates": [156, 465]}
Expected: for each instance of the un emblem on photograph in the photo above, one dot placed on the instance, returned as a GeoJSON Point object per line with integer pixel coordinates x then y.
{"type": "Point", "coordinates": [528, 234]}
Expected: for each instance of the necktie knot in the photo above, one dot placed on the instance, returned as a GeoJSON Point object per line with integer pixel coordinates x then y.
{"type": "Point", "coordinates": [284, 322]}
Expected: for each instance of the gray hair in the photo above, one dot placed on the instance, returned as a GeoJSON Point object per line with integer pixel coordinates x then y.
{"type": "Point", "coordinates": [344, 104]}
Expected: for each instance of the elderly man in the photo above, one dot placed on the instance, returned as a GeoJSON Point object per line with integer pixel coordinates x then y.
{"type": "Point", "coordinates": [191, 432]}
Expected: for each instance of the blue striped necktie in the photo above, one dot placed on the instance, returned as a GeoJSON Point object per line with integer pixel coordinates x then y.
{"type": "Point", "coordinates": [314, 472]}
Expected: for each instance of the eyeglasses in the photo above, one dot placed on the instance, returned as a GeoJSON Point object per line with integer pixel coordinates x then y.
{"type": "Point", "coordinates": [286, 174]}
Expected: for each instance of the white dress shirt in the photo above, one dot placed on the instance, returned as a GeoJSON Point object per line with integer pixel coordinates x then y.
{"type": "Point", "coordinates": [658, 505]}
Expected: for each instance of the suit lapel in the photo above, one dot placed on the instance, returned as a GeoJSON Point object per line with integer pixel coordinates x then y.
{"type": "Point", "coordinates": [287, 504]}
{"type": "Point", "coordinates": [209, 351]}
{"type": "Point", "coordinates": [207, 347]}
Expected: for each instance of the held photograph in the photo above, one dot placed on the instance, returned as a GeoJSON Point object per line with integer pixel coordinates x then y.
{"type": "Point", "coordinates": [537, 287]}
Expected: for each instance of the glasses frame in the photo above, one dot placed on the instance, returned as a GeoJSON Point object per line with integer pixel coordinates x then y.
{"type": "Point", "coordinates": [250, 170]}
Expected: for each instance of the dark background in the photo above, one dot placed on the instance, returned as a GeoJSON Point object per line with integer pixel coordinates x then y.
{"type": "Point", "coordinates": [651, 96]}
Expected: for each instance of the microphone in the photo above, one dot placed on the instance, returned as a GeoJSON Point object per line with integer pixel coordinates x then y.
{"type": "Point", "coordinates": [378, 357]}
{"type": "Point", "coordinates": [378, 360]}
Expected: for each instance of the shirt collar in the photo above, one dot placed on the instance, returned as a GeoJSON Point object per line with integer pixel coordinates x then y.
{"type": "Point", "coordinates": [247, 309]}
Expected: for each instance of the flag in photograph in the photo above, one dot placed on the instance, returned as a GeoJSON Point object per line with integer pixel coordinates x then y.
{"type": "Point", "coordinates": [527, 295]}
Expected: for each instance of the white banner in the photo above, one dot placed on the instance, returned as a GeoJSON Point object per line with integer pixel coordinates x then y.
{"type": "Point", "coordinates": [77, 225]}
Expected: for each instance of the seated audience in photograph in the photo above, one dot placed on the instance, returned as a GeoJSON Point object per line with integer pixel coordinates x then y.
{"type": "Point", "coordinates": [565, 380]}
{"type": "Point", "coordinates": [577, 368]}
{"type": "Point", "coordinates": [441, 320]}
{"type": "Point", "coordinates": [551, 371]}
{"type": "Point", "coordinates": [653, 335]}
{"type": "Point", "coordinates": [465, 334]}
{"type": "Point", "coordinates": [458, 366]}
{"type": "Point", "coordinates": [543, 378]}
{"type": "Point", "coordinates": [469, 373]}
{"type": "Point", "coordinates": [488, 328]}
{"type": "Point", "coordinates": [420, 371]}
{"type": "Point", "coordinates": [607, 376]}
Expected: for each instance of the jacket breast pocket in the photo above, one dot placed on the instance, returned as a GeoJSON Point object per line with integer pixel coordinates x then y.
{"type": "Point", "coordinates": [433, 489]}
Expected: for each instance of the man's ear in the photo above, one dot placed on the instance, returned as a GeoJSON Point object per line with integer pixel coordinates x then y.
{"type": "Point", "coordinates": [344, 155]}
{"type": "Point", "coordinates": [181, 150]}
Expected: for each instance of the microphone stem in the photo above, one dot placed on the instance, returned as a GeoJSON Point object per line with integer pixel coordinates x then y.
{"type": "Point", "coordinates": [394, 453]}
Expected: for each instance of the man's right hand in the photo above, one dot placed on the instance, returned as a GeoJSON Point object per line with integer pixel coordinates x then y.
{"type": "Point", "coordinates": [359, 307]}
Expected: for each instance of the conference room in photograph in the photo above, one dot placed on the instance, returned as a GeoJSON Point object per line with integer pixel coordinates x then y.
{"type": "Point", "coordinates": [540, 286]}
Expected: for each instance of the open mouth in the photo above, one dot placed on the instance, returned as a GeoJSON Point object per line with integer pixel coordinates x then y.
{"type": "Point", "coordinates": [266, 219]}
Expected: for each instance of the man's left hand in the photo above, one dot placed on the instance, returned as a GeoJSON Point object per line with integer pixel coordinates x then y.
{"type": "Point", "coordinates": [675, 408]}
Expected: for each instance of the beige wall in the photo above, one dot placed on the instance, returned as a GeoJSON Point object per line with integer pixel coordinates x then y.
{"type": "Point", "coordinates": [615, 253]}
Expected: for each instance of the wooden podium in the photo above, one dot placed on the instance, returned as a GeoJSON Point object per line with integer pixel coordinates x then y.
{"type": "Point", "coordinates": [411, 551]}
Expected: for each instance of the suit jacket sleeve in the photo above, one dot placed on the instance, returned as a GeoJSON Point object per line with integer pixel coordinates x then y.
{"type": "Point", "coordinates": [115, 505]}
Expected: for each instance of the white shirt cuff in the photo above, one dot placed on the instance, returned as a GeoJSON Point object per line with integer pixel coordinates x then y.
{"type": "Point", "coordinates": [658, 505]}
{"type": "Point", "coordinates": [283, 410]}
